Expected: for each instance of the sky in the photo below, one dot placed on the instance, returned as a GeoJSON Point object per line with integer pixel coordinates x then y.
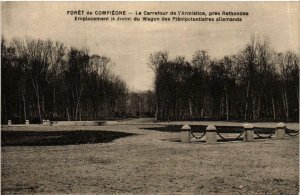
{"type": "Point", "coordinates": [129, 44]}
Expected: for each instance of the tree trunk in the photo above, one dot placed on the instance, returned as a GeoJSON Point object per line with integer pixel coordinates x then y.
{"type": "Point", "coordinates": [258, 107]}
{"type": "Point", "coordinates": [156, 112]}
{"type": "Point", "coordinates": [20, 112]}
{"type": "Point", "coordinates": [38, 104]}
{"type": "Point", "coordinates": [76, 111]}
{"type": "Point", "coordinates": [284, 106]}
{"type": "Point", "coordinates": [222, 107]}
{"type": "Point", "coordinates": [190, 108]}
{"type": "Point", "coordinates": [43, 106]}
{"type": "Point", "coordinates": [54, 101]}
{"type": "Point", "coordinates": [36, 89]}
{"type": "Point", "coordinates": [274, 109]}
{"type": "Point", "coordinates": [287, 106]}
{"type": "Point", "coordinates": [24, 105]}
{"type": "Point", "coordinates": [246, 106]}
{"type": "Point", "coordinates": [227, 107]}
{"type": "Point", "coordinates": [4, 109]}
{"type": "Point", "coordinates": [297, 93]}
{"type": "Point", "coordinates": [80, 110]}
{"type": "Point", "coordinates": [68, 113]}
{"type": "Point", "coordinates": [254, 114]}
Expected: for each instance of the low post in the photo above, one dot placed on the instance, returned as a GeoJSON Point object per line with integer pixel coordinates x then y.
{"type": "Point", "coordinates": [280, 130]}
{"type": "Point", "coordinates": [50, 123]}
{"type": "Point", "coordinates": [211, 134]}
{"type": "Point", "coordinates": [249, 133]}
{"type": "Point", "coordinates": [27, 122]}
{"type": "Point", "coordinates": [46, 122]}
{"type": "Point", "coordinates": [185, 134]}
{"type": "Point", "coordinates": [9, 123]}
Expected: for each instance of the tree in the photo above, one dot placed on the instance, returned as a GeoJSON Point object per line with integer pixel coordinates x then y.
{"type": "Point", "coordinates": [255, 84]}
{"type": "Point", "coordinates": [43, 79]}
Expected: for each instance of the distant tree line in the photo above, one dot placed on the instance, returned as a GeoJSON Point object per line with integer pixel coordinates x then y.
{"type": "Point", "coordinates": [257, 83]}
{"type": "Point", "coordinates": [140, 104]}
{"type": "Point", "coordinates": [43, 79]}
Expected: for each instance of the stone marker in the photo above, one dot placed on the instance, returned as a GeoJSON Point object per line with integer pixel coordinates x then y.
{"type": "Point", "coordinates": [186, 134]}
{"type": "Point", "coordinates": [280, 130]}
{"type": "Point", "coordinates": [9, 123]}
{"type": "Point", "coordinates": [211, 134]}
{"type": "Point", "coordinates": [27, 122]}
{"type": "Point", "coordinates": [249, 133]}
{"type": "Point", "coordinates": [46, 122]}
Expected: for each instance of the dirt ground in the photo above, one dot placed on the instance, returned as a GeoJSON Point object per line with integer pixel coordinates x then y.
{"type": "Point", "coordinates": [144, 164]}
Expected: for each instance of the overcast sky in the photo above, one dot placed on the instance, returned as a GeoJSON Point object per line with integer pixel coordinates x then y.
{"type": "Point", "coordinates": [129, 44]}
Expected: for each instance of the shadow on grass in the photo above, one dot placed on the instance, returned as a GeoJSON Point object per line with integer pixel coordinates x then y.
{"type": "Point", "coordinates": [55, 138]}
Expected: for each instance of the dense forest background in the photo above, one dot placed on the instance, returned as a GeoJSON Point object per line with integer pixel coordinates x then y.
{"type": "Point", "coordinates": [43, 79]}
{"type": "Point", "coordinates": [257, 83]}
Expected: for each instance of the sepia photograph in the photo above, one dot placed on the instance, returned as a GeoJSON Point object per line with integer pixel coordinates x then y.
{"type": "Point", "coordinates": [152, 97]}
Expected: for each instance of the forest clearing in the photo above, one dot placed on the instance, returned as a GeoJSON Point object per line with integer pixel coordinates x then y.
{"type": "Point", "coordinates": [143, 163]}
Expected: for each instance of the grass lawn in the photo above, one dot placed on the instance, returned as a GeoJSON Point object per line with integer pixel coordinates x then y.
{"type": "Point", "coordinates": [145, 164]}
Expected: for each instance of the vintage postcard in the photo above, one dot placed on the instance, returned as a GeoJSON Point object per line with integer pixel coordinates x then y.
{"type": "Point", "coordinates": [150, 97]}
